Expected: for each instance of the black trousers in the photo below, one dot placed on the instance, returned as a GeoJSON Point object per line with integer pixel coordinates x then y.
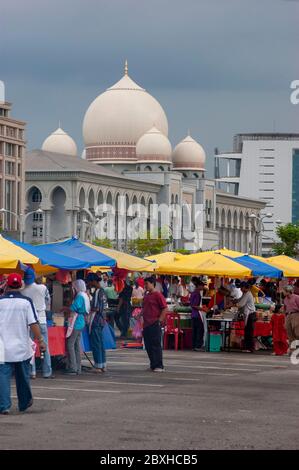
{"type": "Point", "coordinates": [122, 320]}
{"type": "Point", "coordinates": [197, 333]}
{"type": "Point", "coordinates": [249, 332]}
{"type": "Point", "coordinates": [152, 340]}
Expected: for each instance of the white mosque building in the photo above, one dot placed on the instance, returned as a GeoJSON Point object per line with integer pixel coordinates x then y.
{"type": "Point", "coordinates": [129, 157]}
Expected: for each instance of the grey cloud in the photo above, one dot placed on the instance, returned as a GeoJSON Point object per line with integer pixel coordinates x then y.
{"type": "Point", "coordinates": [221, 55]}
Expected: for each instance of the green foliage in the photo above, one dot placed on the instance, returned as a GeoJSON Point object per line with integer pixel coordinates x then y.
{"type": "Point", "coordinates": [183, 251]}
{"type": "Point", "coordinates": [289, 236]}
{"type": "Point", "coordinates": [104, 242]}
{"type": "Point", "coordinates": [147, 246]}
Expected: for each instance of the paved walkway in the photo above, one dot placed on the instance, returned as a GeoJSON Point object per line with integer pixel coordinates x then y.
{"type": "Point", "coordinates": [202, 401]}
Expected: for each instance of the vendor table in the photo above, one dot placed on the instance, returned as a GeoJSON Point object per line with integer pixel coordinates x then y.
{"type": "Point", "coordinates": [261, 328]}
{"type": "Point", "coordinates": [57, 341]}
{"type": "Point", "coordinates": [56, 338]}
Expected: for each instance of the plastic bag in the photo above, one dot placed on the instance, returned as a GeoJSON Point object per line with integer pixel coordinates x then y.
{"type": "Point", "coordinates": [109, 337]}
{"type": "Point", "coordinates": [137, 330]}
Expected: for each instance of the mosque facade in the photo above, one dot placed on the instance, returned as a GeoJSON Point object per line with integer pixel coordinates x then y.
{"type": "Point", "coordinates": [127, 176]}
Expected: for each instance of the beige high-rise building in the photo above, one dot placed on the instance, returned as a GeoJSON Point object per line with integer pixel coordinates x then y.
{"type": "Point", "coordinates": [12, 175]}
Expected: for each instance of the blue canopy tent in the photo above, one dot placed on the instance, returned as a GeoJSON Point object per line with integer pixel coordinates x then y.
{"type": "Point", "coordinates": [257, 267]}
{"type": "Point", "coordinates": [70, 254]}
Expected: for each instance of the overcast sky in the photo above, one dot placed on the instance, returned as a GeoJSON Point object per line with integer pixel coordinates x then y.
{"type": "Point", "coordinates": [218, 67]}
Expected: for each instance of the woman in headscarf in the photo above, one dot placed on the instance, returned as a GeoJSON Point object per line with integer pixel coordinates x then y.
{"type": "Point", "coordinates": [97, 322]}
{"type": "Point", "coordinates": [79, 309]}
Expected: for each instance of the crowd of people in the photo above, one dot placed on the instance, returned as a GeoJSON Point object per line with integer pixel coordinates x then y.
{"type": "Point", "coordinates": [99, 300]}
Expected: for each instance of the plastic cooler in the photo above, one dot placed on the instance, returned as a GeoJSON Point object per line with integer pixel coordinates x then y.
{"type": "Point", "coordinates": [215, 342]}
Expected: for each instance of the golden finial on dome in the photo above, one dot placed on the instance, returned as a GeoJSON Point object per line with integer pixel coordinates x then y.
{"type": "Point", "coordinates": [126, 67]}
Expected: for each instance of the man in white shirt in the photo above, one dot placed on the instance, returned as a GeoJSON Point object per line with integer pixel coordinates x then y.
{"type": "Point", "coordinates": [40, 297]}
{"type": "Point", "coordinates": [246, 303]}
{"type": "Point", "coordinates": [17, 315]}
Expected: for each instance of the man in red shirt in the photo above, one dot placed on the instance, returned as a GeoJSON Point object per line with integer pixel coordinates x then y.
{"type": "Point", "coordinates": [154, 311]}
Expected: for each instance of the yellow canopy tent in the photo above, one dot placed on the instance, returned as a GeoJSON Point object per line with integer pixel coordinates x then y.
{"type": "Point", "coordinates": [166, 258]}
{"type": "Point", "coordinates": [230, 253]}
{"type": "Point", "coordinates": [289, 266]}
{"type": "Point", "coordinates": [11, 255]}
{"type": "Point", "coordinates": [123, 260]}
{"type": "Point", "coordinates": [207, 263]}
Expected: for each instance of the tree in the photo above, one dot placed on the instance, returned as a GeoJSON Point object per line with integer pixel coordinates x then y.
{"type": "Point", "coordinates": [147, 246]}
{"type": "Point", "coordinates": [104, 242]}
{"type": "Point", "coordinates": [289, 236]}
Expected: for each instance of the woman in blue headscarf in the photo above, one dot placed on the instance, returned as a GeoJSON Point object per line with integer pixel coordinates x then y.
{"type": "Point", "coordinates": [79, 309]}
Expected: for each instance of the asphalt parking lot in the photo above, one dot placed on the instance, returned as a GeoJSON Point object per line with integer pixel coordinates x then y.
{"type": "Point", "coordinates": [202, 401]}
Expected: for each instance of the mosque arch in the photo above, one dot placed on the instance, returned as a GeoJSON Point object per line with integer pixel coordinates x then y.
{"type": "Point", "coordinates": [229, 218]}
{"type": "Point", "coordinates": [34, 222]}
{"type": "Point", "coordinates": [91, 200]}
{"type": "Point", "coordinates": [34, 196]}
{"type": "Point", "coordinates": [109, 201]}
{"type": "Point", "coordinates": [217, 217]}
{"type": "Point", "coordinates": [58, 226]}
{"type": "Point", "coordinates": [247, 221]}
{"type": "Point", "coordinates": [235, 219]}
{"type": "Point", "coordinates": [148, 168]}
{"type": "Point", "coordinates": [223, 218]}
{"type": "Point", "coordinates": [82, 198]}
{"type": "Point", "coordinates": [241, 220]}
{"type": "Point", "coordinates": [100, 198]}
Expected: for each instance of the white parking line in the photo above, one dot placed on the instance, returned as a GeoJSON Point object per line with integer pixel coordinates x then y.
{"type": "Point", "coordinates": [186, 366]}
{"type": "Point", "coordinates": [233, 358]}
{"type": "Point", "coordinates": [167, 372]}
{"type": "Point", "coordinates": [44, 398]}
{"type": "Point", "coordinates": [182, 363]}
{"type": "Point", "coordinates": [108, 382]}
{"type": "Point", "coordinates": [75, 389]}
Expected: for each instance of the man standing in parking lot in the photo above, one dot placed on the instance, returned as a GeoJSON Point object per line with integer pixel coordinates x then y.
{"type": "Point", "coordinates": [154, 312]}
{"type": "Point", "coordinates": [17, 316]}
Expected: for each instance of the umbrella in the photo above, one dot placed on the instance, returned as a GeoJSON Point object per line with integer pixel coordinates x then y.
{"type": "Point", "coordinates": [11, 255]}
{"type": "Point", "coordinates": [124, 260]}
{"type": "Point", "coordinates": [70, 254]}
{"type": "Point", "coordinates": [207, 263]}
{"type": "Point", "coordinates": [258, 268]}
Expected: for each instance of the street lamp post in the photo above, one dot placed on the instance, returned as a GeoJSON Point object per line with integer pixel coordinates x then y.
{"type": "Point", "coordinates": [260, 228]}
{"type": "Point", "coordinates": [92, 224]}
{"type": "Point", "coordinates": [21, 218]}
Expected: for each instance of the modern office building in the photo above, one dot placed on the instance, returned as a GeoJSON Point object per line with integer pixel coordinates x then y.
{"type": "Point", "coordinates": [263, 166]}
{"type": "Point", "coordinates": [12, 176]}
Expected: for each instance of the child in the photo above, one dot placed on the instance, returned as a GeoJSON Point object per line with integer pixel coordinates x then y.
{"type": "Point", "coordinates": [279, 332]}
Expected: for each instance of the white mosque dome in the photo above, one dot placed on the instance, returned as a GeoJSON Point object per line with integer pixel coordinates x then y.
{"type": "Point", "coordinates": [60, 142]}
{"type": "Point", "coordinates": [189, 155]}
{"type": "Point", "coordinates": [119, 117]}
{"type": "Point", "coordinates": [153, 146]}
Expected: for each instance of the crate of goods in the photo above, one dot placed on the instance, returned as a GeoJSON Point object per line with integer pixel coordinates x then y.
{"type": "Point", "coordinates": [263, 306]}
{"type": "Point", "coordinates": [215, 342]}
{"type": "Point", "coordinates": [182, 309]}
